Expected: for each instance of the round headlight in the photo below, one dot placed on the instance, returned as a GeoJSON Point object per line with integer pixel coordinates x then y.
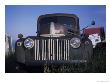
{"type": "Point", "coordinates": [28, 43]}
{"type": "Point", "coordinates": [75, 42]}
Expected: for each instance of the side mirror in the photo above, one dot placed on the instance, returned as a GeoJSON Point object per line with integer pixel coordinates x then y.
{"type": "Point", "coordinates": [93, 22]}
{"type": "Point", "coordinates": [20, 36]}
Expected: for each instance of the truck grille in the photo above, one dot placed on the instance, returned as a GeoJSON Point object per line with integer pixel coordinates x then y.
{"type": "Point", "coordinates": [52, 49]}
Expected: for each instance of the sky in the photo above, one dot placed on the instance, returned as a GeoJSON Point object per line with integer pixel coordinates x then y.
{"type": "Point", "coordinates": [23, 18]}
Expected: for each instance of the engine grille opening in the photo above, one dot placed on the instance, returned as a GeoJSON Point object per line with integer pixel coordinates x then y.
{"type": "Point", "coordinates": [52, 49]}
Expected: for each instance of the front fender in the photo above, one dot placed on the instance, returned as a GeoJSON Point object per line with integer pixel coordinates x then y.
{"type": "Point", "coordinates": [85, 51]}
{"type": "Point", "coordinates": [20, 51]}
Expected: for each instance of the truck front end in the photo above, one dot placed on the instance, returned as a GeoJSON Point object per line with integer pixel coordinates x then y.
{"type": "Point", "coordinates": [58, 42]}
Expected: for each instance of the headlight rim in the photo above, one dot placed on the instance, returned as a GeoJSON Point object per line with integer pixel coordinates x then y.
{"type": "Point", "coordinates": [72, 45]}
{"type": "Point", "coordinates": [31, 45]}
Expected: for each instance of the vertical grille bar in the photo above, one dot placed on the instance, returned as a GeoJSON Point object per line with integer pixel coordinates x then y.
{"type": "Point", "coordinates": [38, 55]}
{"type": "Point", "coordinates": [42, 49]}
{"type": "Point", "coordinates": [53, 50]}
{"type": "Point", "coordinates": [45, 50]}
{"type": "Point", "coordinates": [64, 49]}
{"type": "Point", "coordinates": [35, 49]}
{"type": "Point", "coordinates": [51, 55]}
{"type": "Point", "coordinates": [61, 50]}
{"type": "Point", "coordinates": [57, 49]}
{"type": "Point", "coordinates": [49, 49]}
{"type": "Point", "coordinates": [68, 48]}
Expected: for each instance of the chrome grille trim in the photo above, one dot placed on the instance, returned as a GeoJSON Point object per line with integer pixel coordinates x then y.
{"type": "Point", "coordinates": [52, 49]}
{"type": "Point", "coordinates": [49, 49]}
{"type": "Point", "coordinates": [68, 48]}
{"type": "Point", "coordinates": [42, 49]}
{"type": "Point", "coordinates": [38, 56]}
{"type": "Point", "coordinates": [61, 50]}
{"type": "Point", "coordinates": [64, 49]}
{"type": "Point", "coordinates": [45, 50]}
{"type": "Point", "coordinates": [57, 49]}
{"type": "Point", "coordinates": [35, 49]}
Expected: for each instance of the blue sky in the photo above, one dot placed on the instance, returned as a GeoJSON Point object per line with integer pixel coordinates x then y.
{"type": "Point", "coordinates": [23, 19]}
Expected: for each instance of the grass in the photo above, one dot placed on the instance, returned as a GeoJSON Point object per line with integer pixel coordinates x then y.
{"type": "Point", "coordinates": [99, 61]}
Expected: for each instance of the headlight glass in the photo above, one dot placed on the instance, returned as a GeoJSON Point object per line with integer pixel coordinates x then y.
{"type": "Point", "coordinates": [28, 43]}
{"type": "Point", "coordinates": [75, 42]}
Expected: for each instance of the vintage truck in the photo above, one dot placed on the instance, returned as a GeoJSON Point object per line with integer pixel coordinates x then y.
{"type": "Point", "coordinates": [58, 42]}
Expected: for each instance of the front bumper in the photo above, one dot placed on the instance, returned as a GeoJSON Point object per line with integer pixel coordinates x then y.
{"type": "Point", "coordinates": [58, 62]}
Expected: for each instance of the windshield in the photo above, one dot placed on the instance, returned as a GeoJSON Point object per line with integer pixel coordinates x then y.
{"type": "Point", "coordinates": [56, 24]}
